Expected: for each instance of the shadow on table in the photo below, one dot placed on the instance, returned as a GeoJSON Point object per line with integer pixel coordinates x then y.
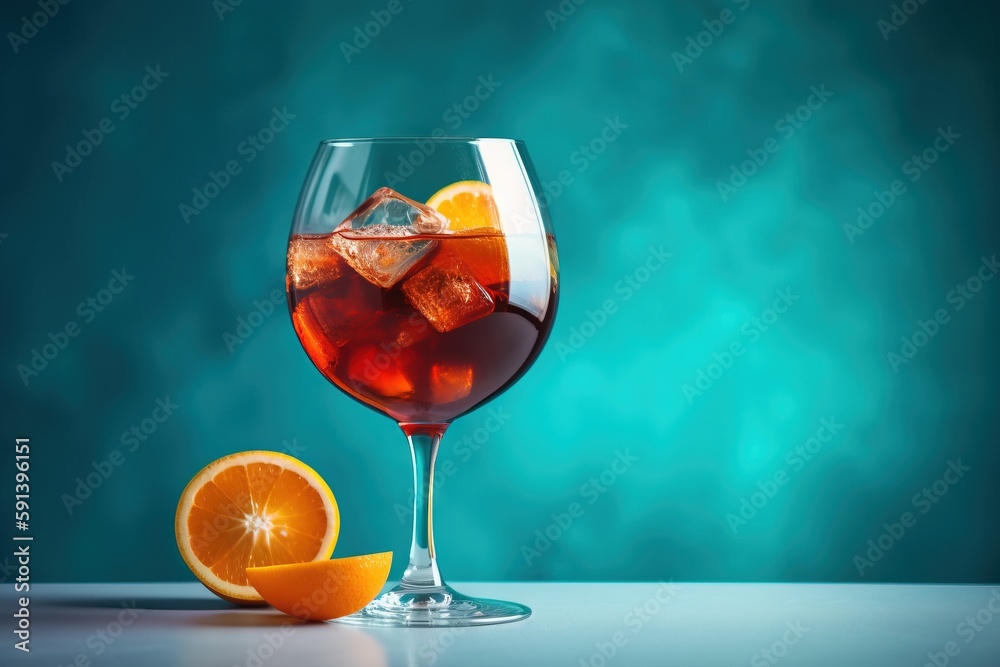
{"type": "Point", "coordinates": [178, 604]}
{"type": "Point", "coordinates": [244, 619]}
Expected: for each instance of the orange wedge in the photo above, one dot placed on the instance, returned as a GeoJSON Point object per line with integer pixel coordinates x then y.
{"type": "Point", "coordinates": [322, 590]}
{"type": "Point", "coordinates": [467, 205]}
{"type": "Point", "coordinates": [471, 210]}
{"type": "Point", "coordinates": [253, 509]}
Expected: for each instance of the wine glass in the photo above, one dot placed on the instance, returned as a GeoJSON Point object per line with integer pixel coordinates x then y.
{"type": "Point", "coordinates": [422, 281]}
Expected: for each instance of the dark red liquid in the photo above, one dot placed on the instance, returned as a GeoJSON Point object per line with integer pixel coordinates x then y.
{"type": "Point", "coordinates": [385, 345]}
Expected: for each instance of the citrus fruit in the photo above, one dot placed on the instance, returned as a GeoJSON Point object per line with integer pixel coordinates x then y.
{"type": "Point", "coordinates": [468, 205]}
{"type": "Point", "coordinates": [251, 509]}
{"type": "Point", "coordinates": [322, 590]}
{"type": "Point", "coordinates": [472, 212]}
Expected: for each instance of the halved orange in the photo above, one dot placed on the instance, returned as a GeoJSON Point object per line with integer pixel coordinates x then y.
{"type": "Point", "coordinates": [253, 509]}
{"type": "Point", "coordinates": [322, 590]}
{"type": "Point", "coordinates": [471, 210]}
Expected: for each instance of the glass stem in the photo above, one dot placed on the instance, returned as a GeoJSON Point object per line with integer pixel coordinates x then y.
{"type": "Point", "coordinates": [422, 571]}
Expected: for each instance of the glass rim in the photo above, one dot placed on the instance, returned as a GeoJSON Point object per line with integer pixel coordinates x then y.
{"type": "Point", "coordinates": [399, 140]}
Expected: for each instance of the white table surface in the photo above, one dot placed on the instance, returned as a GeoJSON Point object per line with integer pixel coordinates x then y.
{"type": "Point", "coordinates": [846, 625]}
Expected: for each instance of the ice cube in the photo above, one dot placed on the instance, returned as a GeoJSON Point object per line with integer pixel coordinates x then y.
{"type": "Point", "coordinates": [312, 262]}
{"type": "Point", "coordinates": [450, 382]}
{"type": "Point", "coordinates": [447, 294]}
{"type": "Point", "coordinates": [376, 238]}
{"type": "Point", "coordinates": [336, 318]}
{"type": "Point", "coordinates": [401, 331]}
{"type": "Point", "coordinates": [388, 207]}
{"type": "Point", "coordinates": [381, 254]}
{"type": "Point", "coordinates": [374, 372]}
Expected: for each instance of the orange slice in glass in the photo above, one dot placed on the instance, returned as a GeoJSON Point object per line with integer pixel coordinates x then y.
{"type": "Point", "coordinates": [471, 210]}
{"type": "Point", "coordinates": [467, 205]}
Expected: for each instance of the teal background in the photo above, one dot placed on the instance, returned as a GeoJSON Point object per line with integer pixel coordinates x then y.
{"type": "Point", "coordinates": [586, 398]}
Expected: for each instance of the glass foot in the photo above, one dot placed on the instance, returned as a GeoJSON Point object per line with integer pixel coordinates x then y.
{"type": "Point", "coordinates": [436, 607]}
